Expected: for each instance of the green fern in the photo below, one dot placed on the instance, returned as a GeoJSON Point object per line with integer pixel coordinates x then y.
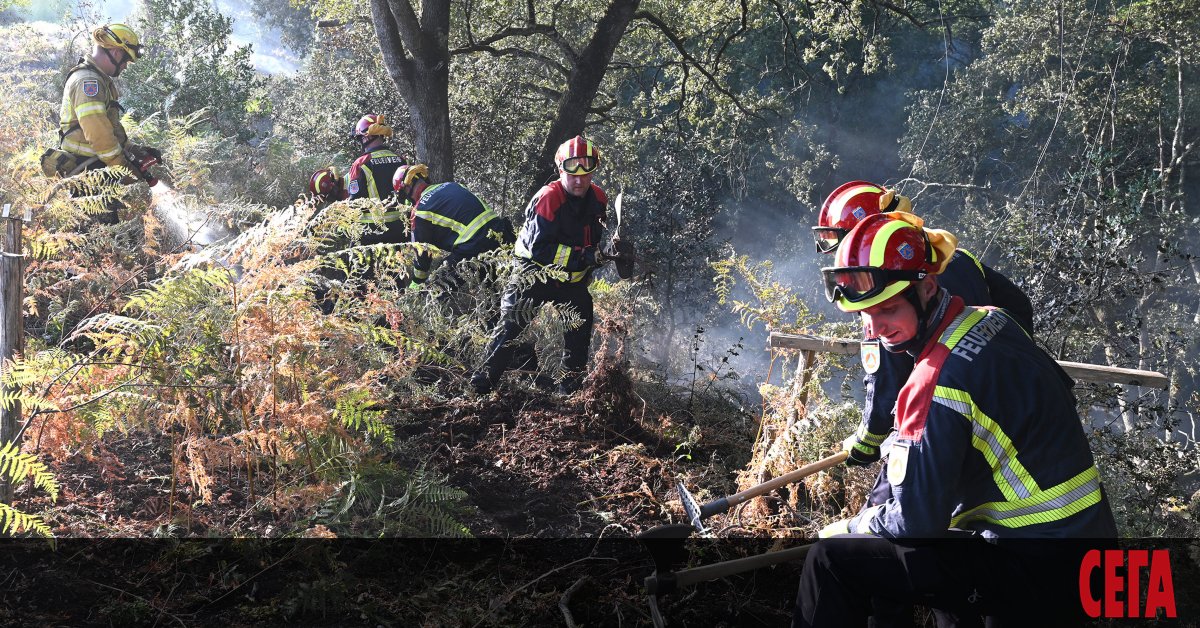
{"type": "Point", "coordinates": [357, 411]}
{"type": "Point", "coordinates": [17, 466]}
{"type": "Point", "coordinates": [13, 521]}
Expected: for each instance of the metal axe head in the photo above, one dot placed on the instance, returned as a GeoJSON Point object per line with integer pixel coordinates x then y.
{"type": "Point", "coordinates": [666, 546]}
{"type": "Point", "coordinates": [690, 506]}
{"type": "Point", "coordinates": [617, 211]}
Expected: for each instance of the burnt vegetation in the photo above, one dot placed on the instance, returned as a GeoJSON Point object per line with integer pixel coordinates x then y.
{"type": "Point", "coordinates": [181, 391]}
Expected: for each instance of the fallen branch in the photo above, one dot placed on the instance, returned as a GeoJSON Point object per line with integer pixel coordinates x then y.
{"type": "Point", "coordinates": [566, 599]}
{"type": "Point", "coordinates": [511, 594]}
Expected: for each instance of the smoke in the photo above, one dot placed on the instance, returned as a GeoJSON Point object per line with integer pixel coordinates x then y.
{"type": "Point", "coordinates": [269, 55]}
{"type": "Point", "coordinates": [184, 225]}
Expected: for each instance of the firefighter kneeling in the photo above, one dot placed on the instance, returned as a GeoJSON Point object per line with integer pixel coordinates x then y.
{"type": "Point", "coordinates": [990, 458]}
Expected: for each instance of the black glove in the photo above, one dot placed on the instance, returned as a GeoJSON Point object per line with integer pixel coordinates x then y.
{"type": "Point", "coordinates": [593, 256]}
{"type": "Point", "coordinates": [154, 152]}
{"type": "Point", "coordinates": [863, 448]}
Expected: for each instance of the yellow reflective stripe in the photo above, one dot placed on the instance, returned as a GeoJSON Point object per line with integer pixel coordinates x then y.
{"type": "Point", "coordinates": [879, 245]}
{"type": "Point", "coordinates": [869, 438]}
{"type": "Point", "coordinates": [845, 195]}
{"type": "Point", "coordinates": [978, 264]}
{"type": "Point", "coordinates": [441, 221]}
{"type": "Point", "coordinates": [372, 189]}
{"type": "Point", "coordinates": [90, 109]}
{"type": "Point", "coordinates": [562, 255]}
{"type": "Point", "coordinates": [1053, 504]}
{"type": "Point", "coordinates": [960, 326]}
{"type": "Point", "coordinates": [420, 274]}
{"type": "Point", "coordinates": [78, 148]}
{"type": "Point", "coordinates": [1011, 477]}
{"type": "Point", "coordinates": [113, 152]}
{"type": "Point", "coordinates": [471, 229]}
{"type": "Point", "coordinates": [381, 218]}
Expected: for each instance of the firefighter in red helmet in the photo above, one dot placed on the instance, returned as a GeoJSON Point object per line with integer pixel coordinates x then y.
{"type": "Point", "coordinates": [962, 274]}
{"type": "Point", "coordinates": [990, 447]}
{"type": "Point", "coordinates": [563, 229]}
{"type": "Point", "coordinates": [326, 186]}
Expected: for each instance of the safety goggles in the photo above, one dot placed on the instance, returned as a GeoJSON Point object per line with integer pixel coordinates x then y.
{"type": "Point", "coordinates": [828, 238]}
{"type": "Point", "coordinates": [859, 283]}
{"type": "Point", "coordinates": [134, 50]}
{"type": "Point", "coordinates": [580, 165]}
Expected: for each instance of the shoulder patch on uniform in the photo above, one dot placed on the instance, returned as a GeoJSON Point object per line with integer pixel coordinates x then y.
{"type": "Point", "coordinates": [869, 351]}
{"type": "Point", "coordinates": [897, 466]}
{"type": "Point", "coordinates": [91, 87]}
{"type": "Point", "coordinates": [353, 189]}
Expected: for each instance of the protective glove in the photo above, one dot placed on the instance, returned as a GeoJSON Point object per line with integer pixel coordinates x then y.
{"type": "Point", "coordinates": [863, 447]}
{"type": "Point", "coordinates": [593, 256]}
{"type": "Point", "coordinates": [834, 529]}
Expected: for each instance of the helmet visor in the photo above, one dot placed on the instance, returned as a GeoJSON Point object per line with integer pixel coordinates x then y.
{"type": "Point", "coordinates": [828, 238]}
{"type": "Point", "coordinates": [859, 283]}
{"type": "Point", "coordinates": [580, 165]}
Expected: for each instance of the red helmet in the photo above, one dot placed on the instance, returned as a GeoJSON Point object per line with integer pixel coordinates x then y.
{"type": "Point", "coordinates": [371, 124]}
{"type": "Point", "coordinates": [577, 156]}
{"type": "Point", "coordinates": [844, 208]}
{"type": "Point", "coordinates": [880, 258]}
{"type": "Point", "coordinates": [406, 176]}
{"type": "Point", "coordinates": [326, 184]}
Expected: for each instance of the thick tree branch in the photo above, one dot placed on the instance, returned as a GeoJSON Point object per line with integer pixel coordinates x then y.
{"type": "Point", "coordinates": [435, 22]}
{"type": "Point", "coordinates": [678, 42]}
{"type": "Point", "coordinates": [504, 33]}
{"type": "Point", "coordinates": [391, 46]}
{"type": "Point", "coordinates": [587, 72]}
{"type": "Point", "coordinates": [515, 52]}
{"type": "Point", "coordinates": [404, 21]}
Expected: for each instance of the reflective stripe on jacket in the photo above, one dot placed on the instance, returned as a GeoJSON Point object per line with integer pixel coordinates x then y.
{"type": "Point", "coordinates": [989, 440]}
{"type": "Point", "coordinates": [90, 116]}
{"type": "Point", "coordinates": [558, 227]}
{"type": "Point", "coordinates": [370, 176]}
{"type": "Point", "coordinates": [454, 220]}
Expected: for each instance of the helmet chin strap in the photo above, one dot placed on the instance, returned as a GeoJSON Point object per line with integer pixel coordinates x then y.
{"type": "Point", "coordinates": [115, 63]}
{"type": "Point", "coordinates": [937, 304]}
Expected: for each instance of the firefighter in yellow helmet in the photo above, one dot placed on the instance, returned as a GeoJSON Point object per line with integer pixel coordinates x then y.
{"type": "Point", "coordinates": [90, 131]}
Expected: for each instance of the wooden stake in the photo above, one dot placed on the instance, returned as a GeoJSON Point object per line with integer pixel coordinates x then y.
{"type": "Point", "coordinates": [12, 270]}
{"type": "Point", "coordinates": [1094, 373]}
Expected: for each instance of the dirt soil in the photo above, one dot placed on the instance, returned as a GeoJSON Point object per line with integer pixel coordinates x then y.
{"type": "Point", "coordinates": [556, 488]}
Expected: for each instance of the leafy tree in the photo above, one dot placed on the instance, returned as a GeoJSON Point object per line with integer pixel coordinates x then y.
{"type": "Point", "coordinates": [190, 64]}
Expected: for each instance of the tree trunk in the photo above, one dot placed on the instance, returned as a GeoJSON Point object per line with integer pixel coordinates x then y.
{"type": "Point", "coordinates": [586, 74]}
{"type": "Point", "coordinates": [417, 57]}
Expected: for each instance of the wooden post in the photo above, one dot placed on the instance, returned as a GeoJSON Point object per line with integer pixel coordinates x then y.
{"type": "Point", "coordinates": [12, 270]}
{"type": "Point", "coordinates": [1094, 373]}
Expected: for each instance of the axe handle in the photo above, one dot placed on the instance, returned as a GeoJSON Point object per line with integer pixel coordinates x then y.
{"type": "Point", "coordinates": [787, 478]}
{"type": "Point", "coordinates": [716, 571]}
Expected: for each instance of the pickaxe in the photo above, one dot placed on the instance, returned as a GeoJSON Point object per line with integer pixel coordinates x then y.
{"type": "Point", "coordinates": [697, 513]}
{"type": "Point", "coordinates": [665, 544]}
{"type": "Point", "coordinates": [624, 251]}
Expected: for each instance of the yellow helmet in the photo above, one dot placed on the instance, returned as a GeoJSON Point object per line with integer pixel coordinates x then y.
{"type": "Point", "coordinates": [119, 35]}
